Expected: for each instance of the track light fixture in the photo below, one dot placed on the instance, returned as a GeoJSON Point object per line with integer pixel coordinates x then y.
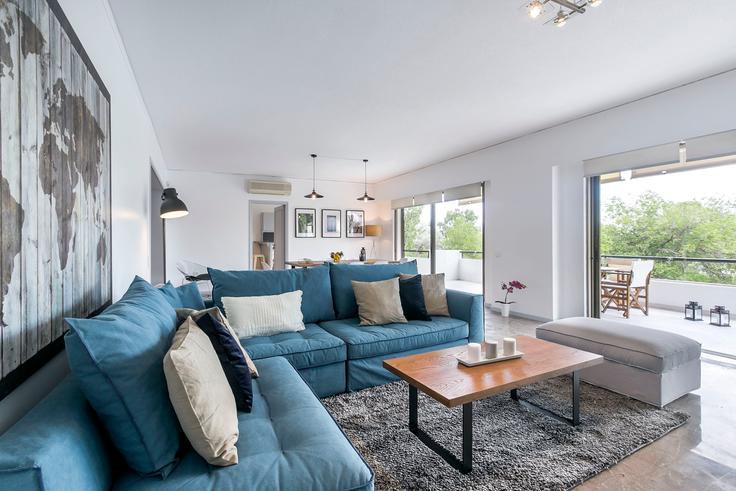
{"type": "Point", "coordinates": [568, 8]}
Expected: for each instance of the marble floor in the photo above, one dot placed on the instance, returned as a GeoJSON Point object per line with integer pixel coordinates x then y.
{"type": "Point", "coordinates": [700, 455]}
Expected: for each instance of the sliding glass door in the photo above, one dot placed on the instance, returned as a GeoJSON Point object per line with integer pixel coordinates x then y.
{"type": "Point", "coordinates": [445, 236]}
{"type": "Point", "coordinates": [416, 232]}
{"type": "Point", "coordinates": [458, 247]}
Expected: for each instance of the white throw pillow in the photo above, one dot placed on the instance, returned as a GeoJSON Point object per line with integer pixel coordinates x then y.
{"type": "Point", "coordinates": [266, 315]}
{"type": "Point", "coordinates": [201, 396]}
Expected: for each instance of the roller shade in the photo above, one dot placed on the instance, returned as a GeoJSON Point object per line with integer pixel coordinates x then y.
{"type": "Point", "coordinates": [698, 149]}
{"type": "Point", "coordinates": [451, 194]}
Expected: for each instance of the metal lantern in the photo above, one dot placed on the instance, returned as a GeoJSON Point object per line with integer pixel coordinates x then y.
{"type": "Point", "coordinates": [693, 311]}
{"type": "Point", "coordinates": [719, 316]}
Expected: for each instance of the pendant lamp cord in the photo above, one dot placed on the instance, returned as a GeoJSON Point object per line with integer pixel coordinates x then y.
{"type": "Point", "coordinates": [365, 176]}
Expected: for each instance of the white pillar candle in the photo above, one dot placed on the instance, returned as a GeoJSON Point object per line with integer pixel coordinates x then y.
{"type": "Point", "coordinates": [491, 350]}
{"type": "Point", "coordinates": [473, 351]}
{"type": "Point", "coordinates": [509, 346]}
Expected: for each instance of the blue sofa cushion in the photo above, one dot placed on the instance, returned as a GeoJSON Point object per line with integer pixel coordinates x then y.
{"type": "Point", "coordinates": [58, 445]}
{"type": "Point", "coordinates": [289, 441]}
{"type": "Point", "coordinates": [313, 282]}
{"type": "Point", "coordinates": [183, 297]}
{"type": "Point", "coordinates": [232, 360]}
{"type": "Point", "coordinates": [117, 358]}
{"type": "Point", "coordinates": [367, 341]}
{"type": "Point", "coordinates": [311, 347]}
{"type": "Point", "coordinates": [342, 290]}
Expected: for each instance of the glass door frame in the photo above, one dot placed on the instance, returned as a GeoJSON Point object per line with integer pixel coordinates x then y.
{"type": "Point", "coordinates": [593, 246]}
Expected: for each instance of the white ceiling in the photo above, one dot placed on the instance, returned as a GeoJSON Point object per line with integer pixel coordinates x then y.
{"type": "Point", "coordinates": [255, 86]}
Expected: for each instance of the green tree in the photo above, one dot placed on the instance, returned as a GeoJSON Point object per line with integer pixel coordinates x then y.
{"type": "Point", "coordinates": [460, 231]}
{"type": "Point", "coordinates": [653, 226]}
{"type": "Point", "coordinates": [416, 236]}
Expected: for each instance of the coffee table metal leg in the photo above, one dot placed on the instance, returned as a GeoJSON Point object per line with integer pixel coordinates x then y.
{"type": "Point", "coordinates": [413, 408]}
{"type": "Point", "coordinates": [467, 438]}
{"type": "Point", "coordinates": [464, 466]}
{"type": "Point", "coordinates": [574, 421]}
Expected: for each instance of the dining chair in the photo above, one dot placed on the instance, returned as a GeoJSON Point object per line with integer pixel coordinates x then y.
{"type": "Point", "coordinates": [628, 291]}
{"type": "Point", "coordinates": [641, 274]}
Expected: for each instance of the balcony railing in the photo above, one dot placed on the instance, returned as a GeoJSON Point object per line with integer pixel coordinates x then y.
{"type": "Point", "coordinates": [698, 269]}
{"type": "Point", "coordinates": [423, 253]}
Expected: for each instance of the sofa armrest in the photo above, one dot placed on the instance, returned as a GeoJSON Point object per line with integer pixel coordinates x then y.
{"type": "Point", "coordinates": [57, 445]}
{"type": "Point", "coordinates": [469, 308]}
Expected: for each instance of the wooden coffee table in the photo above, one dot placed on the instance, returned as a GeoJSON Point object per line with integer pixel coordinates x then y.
{"type": "Point", "coordinates": [439, 375]}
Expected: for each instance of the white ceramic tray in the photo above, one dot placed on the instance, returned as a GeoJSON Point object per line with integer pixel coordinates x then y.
{"type": "Point", "coordinates": [484, 361]}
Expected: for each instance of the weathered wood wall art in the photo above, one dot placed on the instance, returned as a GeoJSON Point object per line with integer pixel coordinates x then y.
{"type": "Point", "coordinates": [55, 203]}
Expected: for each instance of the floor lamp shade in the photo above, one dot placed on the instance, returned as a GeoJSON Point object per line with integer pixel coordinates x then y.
{"type": "Point", "coordinates": [171, 205]}
{"type": "Point", "coordinates": [372, 230]}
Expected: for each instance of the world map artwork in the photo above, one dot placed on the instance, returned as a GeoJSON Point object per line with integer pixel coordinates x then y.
{"type": "Point", "coordinates": [54, 180]}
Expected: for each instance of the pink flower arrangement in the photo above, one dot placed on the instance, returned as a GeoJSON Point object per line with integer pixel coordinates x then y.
{"type": "Point", "coordinates": [509, 288]}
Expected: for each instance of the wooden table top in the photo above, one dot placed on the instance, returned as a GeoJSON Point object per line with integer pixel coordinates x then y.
{"type": "Point", "coordinates": [440, 375]}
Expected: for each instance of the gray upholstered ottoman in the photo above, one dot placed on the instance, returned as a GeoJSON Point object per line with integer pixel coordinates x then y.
{"type": "Point", "coordinates": [653, 366]}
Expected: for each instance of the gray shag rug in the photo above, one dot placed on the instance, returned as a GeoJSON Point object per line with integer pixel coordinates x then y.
{"type": "Point", "coordinates": [513, 448]}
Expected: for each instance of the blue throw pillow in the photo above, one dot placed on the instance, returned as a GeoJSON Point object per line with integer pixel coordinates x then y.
{"type": "Point", "coordinates": [232, 360]}
{"type": "Point", "coordinates": [341, 276]}
{"type": "Point", "coordinates": [117, 358]}
{"type": "Point", "coordinates": [412, 299]}
{"type": "Point", "coordinates": [313, 282]}
{"type": "Point", "coordinates": [171, 295]}
{"type": "Point", "coordinates": [186, 296]}
{"type": "Point", "coordinates": [190, 297]}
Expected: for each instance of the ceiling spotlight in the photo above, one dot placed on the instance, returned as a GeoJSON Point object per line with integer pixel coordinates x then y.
{"type": "Point", "coordinates": [561, 18]}
{"type": "Point", "coordinates": [595, 3]}
{"type": "Point", "coordinates": [535, 9]}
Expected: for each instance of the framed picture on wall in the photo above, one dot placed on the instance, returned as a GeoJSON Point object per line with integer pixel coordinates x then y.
{"type": "Point", "coordinates": [305, 222]}
{"type": "Point", "coordinates": [331, 223]}
{"type": "Point", "coordinates": [354, 223]}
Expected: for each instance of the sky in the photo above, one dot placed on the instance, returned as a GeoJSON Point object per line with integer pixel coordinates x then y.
{"type": "Point", "coordinates": [715, 182]}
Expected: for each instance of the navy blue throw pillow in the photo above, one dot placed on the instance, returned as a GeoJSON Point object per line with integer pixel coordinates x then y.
{"type": "Point", "coordinates": [412, 299]}
{"type": "Point", "coordinates": [232, 361]}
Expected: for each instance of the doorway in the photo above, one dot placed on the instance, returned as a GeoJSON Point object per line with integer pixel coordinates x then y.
{"type": "Point", "coordinates": [660, 237]}
{"type": "Point", "coordinates": [267, 244]}
{"type": "Point", "coordinates": [157, 233]}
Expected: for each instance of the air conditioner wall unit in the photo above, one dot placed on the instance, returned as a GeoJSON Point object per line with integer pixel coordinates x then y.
{"type": "Point", "coordinates": [278, 188]}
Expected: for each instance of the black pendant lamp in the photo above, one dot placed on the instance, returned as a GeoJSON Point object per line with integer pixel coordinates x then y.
{"type": "Point", "coordinates": [171, 205]}
{"type": "Point", "coordinates": [314, 194]}
{"type": "Point", "coordinates": [365, 196]}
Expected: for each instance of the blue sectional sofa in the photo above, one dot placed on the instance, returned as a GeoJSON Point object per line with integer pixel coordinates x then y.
{"type": "Point", "coordinates": [61, 444]}
{"type": "Point", "coordinates": [334, 354]}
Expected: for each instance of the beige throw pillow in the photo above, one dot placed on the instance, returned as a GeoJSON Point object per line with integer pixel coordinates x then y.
{"type": "Point", "coordinates": [182, 314]}
{"type": "Point", "coordinates": [435, 295]}
{"type": "Point", "coordinates": [378, 302]}
{"type": "Point", "coordinates": [201, 395]}
{"type": "Point", "coordinates": [265, 315]}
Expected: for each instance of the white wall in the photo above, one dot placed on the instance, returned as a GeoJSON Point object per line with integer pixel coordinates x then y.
{"type": "Point", "coordinates": [134, 142]}
{"type": "Point", "coordinates": [535, 200]}
{"type": "Point", "coordinates": [216, 231]}
{"type": "Point", "coordinates": [675, 294]}
{"type": "Point", "coordinates": [134, 145]}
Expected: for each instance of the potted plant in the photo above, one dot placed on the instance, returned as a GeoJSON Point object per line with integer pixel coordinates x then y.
{"type": "Point", "coordinates": [509, 288]}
